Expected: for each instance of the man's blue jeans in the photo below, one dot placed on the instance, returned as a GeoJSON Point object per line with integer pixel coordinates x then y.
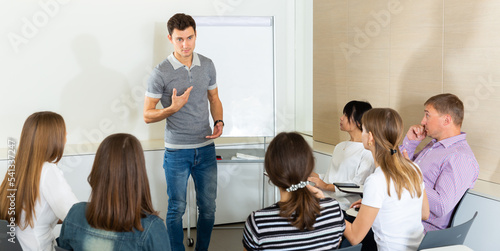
{"type": "Point", "coordinates": [201, 164]}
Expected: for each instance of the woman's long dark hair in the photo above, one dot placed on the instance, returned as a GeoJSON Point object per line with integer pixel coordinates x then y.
{"type": "Point", "coordinates": [289, 160]}
{"type": "Point", "coordinates": [120, 188]}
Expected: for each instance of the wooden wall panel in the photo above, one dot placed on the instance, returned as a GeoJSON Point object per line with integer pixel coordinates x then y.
{"type": "Point", "coordinates": [419, 49]}
{"type": "Point", "coordinates": [329, 69]}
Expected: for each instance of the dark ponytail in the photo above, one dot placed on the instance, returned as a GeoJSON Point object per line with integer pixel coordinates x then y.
{"type": "Point", "coordinates": [301, 209]}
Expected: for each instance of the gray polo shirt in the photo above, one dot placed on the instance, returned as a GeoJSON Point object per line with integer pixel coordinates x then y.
{"type": "Point", "coordinates": [188, 127]}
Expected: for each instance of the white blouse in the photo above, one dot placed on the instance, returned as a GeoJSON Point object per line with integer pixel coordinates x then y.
{"type": "Point", "coordinates": [56, 198]}
{"type": "Point", "coordinates": [351, 163]}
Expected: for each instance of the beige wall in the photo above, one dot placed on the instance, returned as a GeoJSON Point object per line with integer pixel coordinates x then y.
{"type": "Point", "coordinates": [399, 53]}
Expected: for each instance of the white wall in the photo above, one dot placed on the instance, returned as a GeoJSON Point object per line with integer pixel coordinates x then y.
{"type": "Point", "coordinates": [89, 60]}
{"type": "Point", "coordinates": [303, 66]}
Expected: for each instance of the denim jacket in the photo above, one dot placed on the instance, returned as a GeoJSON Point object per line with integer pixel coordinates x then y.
{"type": "Point", "coordinates": [77, 234]}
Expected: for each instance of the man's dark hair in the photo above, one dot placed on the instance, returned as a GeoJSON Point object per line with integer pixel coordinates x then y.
{"type": "Point", "coordinates": [181, 22]}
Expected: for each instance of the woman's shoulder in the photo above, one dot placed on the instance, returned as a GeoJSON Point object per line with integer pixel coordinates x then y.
{"type": "Point", "coordinates": [351, 148]}
{"type": "Point", "coordinates": [330, 210]}
{"type": "Point", "coordinates": [81, 206]}
{"type": "Point", "coordinates": [328, 203]}
{"type": "Point", "coordinates": [341, 144]}
{"type": "Point", "coordinates": [376, 176]}
{"type": "Point", "coordinates": [328, 200]}
{"type": "Point", "coordinates": [366, 153]}
{"type": "Point", "coordinates": [51, 176]}
{"type": "Point", "coordinates": [76, 216]}
{"type": "Point", "coordinates": [77, 209]}
{"type": "Point", "coordinates": [151, 220]}
{"type": "Point", "coordinates": [47, 164]}
{"type": "Point", "coordinates": [271, 210]}
{"type": "Point", "coordinates": [49, 168]}
{"type": "Point", "coordinates": [378, 171]}
{"type": "Point", "coordinates": [152, 217]}
{"type": "Point", "coordinates": [154, 227]}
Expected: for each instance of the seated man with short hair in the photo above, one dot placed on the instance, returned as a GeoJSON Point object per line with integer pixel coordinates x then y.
{"type": "Point", "coordinates": [447, 162]}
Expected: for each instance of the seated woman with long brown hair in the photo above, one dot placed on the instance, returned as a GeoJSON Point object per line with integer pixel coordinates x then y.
{"type": "Point", "coordinates": [394, 201]}
{"type": "Point", "coordinates": [120, 214]}
{"type": "Point", "coordinates": [303, 219]}
{"type": "Point", "coordinates": [42, 195]}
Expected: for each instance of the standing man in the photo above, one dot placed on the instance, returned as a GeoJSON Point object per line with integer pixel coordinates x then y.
{"type": "Point", "coordinates": [185, 83]}
{"type": "Point", "coordinates": [447, 162]}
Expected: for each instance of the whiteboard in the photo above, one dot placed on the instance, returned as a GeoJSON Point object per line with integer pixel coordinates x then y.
{"type": "Point", "coordinates": [242, 49]}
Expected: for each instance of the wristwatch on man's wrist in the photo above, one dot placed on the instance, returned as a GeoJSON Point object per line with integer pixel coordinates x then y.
{"type": "Point", "coordinates": [217, 121]}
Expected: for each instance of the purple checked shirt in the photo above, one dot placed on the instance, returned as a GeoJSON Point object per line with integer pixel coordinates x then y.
{"type": "Point", "coordinates": [449, 168]}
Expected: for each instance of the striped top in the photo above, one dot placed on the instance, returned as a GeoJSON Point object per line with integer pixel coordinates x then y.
{"type": "Point", "coordinates": [449, 168]}
{"type": "Point", "coordinates": [265, 229]}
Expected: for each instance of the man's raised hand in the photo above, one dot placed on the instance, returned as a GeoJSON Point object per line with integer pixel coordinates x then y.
{"type": "Point", "coordinates": [416, 132]}
{"type": "Point", "coordinates": [179, 101]}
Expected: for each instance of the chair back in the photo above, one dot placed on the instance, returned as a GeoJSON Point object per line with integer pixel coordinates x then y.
{"type": "Point", "coordinates": [447, 237]}
{"type": "Point", "coordinates": [455, 210]}
{"type": "Point", "coordinates": [352, 248]}
{"type": "Point", "coordinates": [8, 242]}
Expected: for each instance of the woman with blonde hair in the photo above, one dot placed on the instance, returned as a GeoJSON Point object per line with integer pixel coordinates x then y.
{"type": "Point", "coordinates": [42, 195]}
{"type": "Point", "coordinates": [303, 219]}
{"type": "Point", "coordinates": [119, 214]}
{"type": "Point", "coordinates": [394, 201]}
